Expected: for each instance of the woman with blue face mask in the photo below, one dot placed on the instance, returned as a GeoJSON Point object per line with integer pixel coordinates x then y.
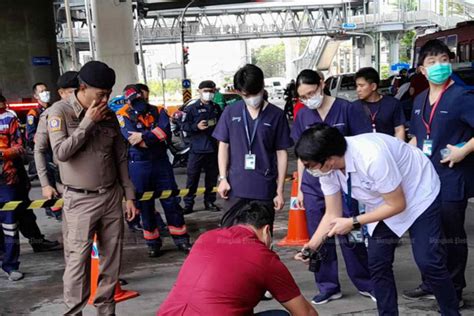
{"type": "Point", "coordinates": [349, 120]}
{"type": "Point", "coordinates": [442, 123]}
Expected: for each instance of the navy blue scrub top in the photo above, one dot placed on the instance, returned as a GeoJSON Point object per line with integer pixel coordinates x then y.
{"type": "Point", "coordinates": [273, 133]}
{"type": "Point", "coordinates": [386, 114]}
{"type": "Point", "coordinates": [348, 118]}
{"type": "Point", "coordinates": [453, 123]}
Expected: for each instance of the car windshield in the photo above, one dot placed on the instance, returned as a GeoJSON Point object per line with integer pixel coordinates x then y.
{"type": "Point", "coordinates": [348, 83]}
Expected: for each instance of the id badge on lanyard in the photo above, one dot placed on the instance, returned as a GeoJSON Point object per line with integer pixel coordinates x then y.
{"type": "Point", "coordinates": [250, 159]}
{"type": "Point", "coordinates": [427, 147]}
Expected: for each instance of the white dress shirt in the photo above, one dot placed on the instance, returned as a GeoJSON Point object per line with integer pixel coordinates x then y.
{"type": "Point", "coordinates": [378, 164]}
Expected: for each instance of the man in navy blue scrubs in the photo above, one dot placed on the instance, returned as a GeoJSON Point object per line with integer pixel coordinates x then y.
{"type": "Point", "coordinates": [385, 112]}
{"type": "Point", "coordinates": [443, 117]}
{"type": "Point", "coordinates": [349, 120]}
{"type": "Point", "coordinates": [253, 137]}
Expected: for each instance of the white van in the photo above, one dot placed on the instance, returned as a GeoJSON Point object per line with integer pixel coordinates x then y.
{"type": "Point", "coordinates": [275, 87]}
{"type": "Point", "coordinates": [342, 86]}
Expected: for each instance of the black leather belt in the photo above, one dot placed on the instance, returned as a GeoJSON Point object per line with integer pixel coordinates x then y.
{"type": "Point", "coordinates": [83, 191]}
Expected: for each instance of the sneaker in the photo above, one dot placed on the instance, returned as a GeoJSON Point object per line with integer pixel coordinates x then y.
{"type": "Point", "coordinates": [323, 298]}
{"type": "Point", "coordinates": [188, 210]}
{"type": "Point", "coordinates": [418, 294]}
{"type": "Point", "coordinates": [154, 252]}
{"type": "Point", "coordinates": [369, 295]}
{"type": "Point", "coordinates": [185, 247]}
{"type": "Point", "coordinates": [15, 275]}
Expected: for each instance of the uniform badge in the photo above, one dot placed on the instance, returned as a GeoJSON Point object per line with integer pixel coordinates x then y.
{"type": "Point", "coordinates": [30, 119]}
{"type": "Point", "coordinates": [121, 121]}
{"type": "Point", "coordinates": [54, 124]}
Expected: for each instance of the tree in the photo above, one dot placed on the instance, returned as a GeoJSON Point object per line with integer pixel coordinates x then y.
{"type": "Point", "coordinates": [406, 45]}
{"type": "Point", "coordinates": [271, 59]}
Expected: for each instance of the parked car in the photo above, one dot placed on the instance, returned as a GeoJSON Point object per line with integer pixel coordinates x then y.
{"type": "Point", "coordinates": [342, 86]}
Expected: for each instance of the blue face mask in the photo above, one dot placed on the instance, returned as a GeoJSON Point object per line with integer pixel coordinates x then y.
{"type": "Point", "coordinates": [140, 105]}
{"type": "Point", "coordinates": [439, 73]}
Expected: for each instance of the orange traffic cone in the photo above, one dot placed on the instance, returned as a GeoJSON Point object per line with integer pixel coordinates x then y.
{"type": "Point", "coordinates": [120, 295]}
{"type": "Point", "coordinates": [297, 230]}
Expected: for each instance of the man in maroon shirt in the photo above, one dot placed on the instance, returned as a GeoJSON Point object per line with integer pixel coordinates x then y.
{"type": "Point", "coordinates": [229, 270]}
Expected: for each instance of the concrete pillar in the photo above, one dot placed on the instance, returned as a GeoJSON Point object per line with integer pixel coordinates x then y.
{"type": "Point", "coordinates": [292, 46]}
{"type": "Point", "coordinates": [393, 47]}
{"type": "Point", "coordinates": [114, 39]}
{"type": "Point", "coordinates": [27, 32]}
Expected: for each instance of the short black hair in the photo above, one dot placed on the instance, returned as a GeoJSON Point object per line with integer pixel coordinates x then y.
{"type": "Point", "coordinates": [369, 74]}
{"type": "Point", "coordinates": [308, 76]}
{"type": "Point", "coordinates": [38, 84]}
{"type": "Point", "coordinates": [69, 79]}
{"type": "Point", "coordinates": [432, 48]}
{"type": "Point", "coordinates": [256, 214]}
{"type": "Point", "coordinates": [249, 79]}
{"type": "Point", "coordinates": [142, 87]}
{"type": "Point", "coordinates": [320, 142]}
{"type": "Point", "coordinates": [3, 99]}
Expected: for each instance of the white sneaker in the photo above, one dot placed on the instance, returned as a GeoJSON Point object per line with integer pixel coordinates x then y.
{"type": "Point", "coordinates": [369, 295]}
{"type": "Point", "coordinates": [15, 275]}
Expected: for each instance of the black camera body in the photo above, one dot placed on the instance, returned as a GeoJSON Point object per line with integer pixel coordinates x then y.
{"type": "Point", "coordinates": [314, 259]}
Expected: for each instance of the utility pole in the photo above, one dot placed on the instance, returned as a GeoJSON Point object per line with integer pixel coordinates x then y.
{"type": "Point", "coordinates": [72, 45]}
{"type": "Point", "coordinates": [186, 84]}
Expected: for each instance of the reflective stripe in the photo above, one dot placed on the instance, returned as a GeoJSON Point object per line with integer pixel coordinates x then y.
{"type": "Point", "coordinates": [10, 226]}
{"type": "Point", "coordinates": [10, 233]}
{"type": "Point", "coordinates": [177, 230]}
{"type": "Point", "coordinates": [151, 235]}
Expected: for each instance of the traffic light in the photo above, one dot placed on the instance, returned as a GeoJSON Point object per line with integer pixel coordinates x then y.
{"type": "Point", "coordinates": [185, 55]}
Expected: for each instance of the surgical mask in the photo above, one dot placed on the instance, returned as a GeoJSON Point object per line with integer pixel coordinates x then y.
{"type": "Point", "coordinates": [439, 72]}
{"type": "Point", "coordinates": [254, 101]}
{"type": "Point", "coordinates": [44, 96]}
{"type": "Point", "coordinates": [314, 102]}
{"type": "Point", "coordinates": [318, 173]}
{"type": "Point", "coordinates": [207, 96]}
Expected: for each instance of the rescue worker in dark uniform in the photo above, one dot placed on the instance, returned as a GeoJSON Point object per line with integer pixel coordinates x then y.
{"type": "Point", "coordinates": [11, 153]}
{"type": "Point", "coordinates": [199, 122]}
{"type": "Point", "coordinates": [148, 130]}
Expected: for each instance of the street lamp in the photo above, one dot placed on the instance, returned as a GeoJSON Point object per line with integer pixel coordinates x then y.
{"type": "Point", "coordinates": [182, 24]}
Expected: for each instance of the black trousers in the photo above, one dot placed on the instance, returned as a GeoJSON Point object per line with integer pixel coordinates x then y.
{"type": "Point", "coordinates": [196, 163]}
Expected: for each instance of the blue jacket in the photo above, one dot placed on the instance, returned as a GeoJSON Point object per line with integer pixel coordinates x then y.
{"type": "Point", "coordinates": [201, 140]}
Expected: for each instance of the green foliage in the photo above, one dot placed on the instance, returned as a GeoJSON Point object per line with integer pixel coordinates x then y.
{"type": "Point", "coordinates": [384, 71]}
{"type": "Point", "coordinates": [271, 59]}
{"type": "Point", "coordinates": [406, 44]}
{"type": "Point", "coordinates": [171, 86]}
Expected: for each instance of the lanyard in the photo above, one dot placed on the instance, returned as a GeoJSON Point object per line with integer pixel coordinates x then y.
{"type": "Point", "coordinates": [348, 196]}
{"type": "Point", "coordinates": [250, 139]}
{"type": "Point", "coordinates": [433, 109]}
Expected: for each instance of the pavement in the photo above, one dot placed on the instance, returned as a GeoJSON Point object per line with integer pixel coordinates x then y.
{"type": "Point", "coordinates": [40, 292]}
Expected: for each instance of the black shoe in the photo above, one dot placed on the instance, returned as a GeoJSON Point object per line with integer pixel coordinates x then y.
{"type": "Point", "coordinates": [418, 294]}
{"type": "Point", "coordinates": [210, 206]}
{"type": "Point", "coordinates": [123, 282]}
{"type": "Point", "coordinates": [154, 252]}
{"type": "Point", "coordinates": [188, 210]}
{"type": "Point", "coordinates": [185, 247]}
{"type": "Point", "coordinates": [43, 245]}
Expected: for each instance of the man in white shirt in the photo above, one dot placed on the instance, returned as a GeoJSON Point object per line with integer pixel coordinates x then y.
{"type": "Point", "coordinates": [399, 187]}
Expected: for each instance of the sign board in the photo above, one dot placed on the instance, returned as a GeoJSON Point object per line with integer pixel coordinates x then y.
{"type": "Point", "coordinates": [349, 26]}
{"type": "Point", "coordinates": [186, 83]}
{"type": "Point", "coordinates": [172, 71]}
{"type": "Point", "coordinates": [398, 66]}
{"type": "Point", "coordinates": [41, 61]}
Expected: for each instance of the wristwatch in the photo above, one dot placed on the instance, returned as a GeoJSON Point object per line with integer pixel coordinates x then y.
{"type": "Point", "coordinates": [355, 223]}
{"type": "Point", "coordinates": [221, 178]}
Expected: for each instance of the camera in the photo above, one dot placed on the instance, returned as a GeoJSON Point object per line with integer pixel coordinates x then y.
{"type": "Point", "coordinates": [314, 259]}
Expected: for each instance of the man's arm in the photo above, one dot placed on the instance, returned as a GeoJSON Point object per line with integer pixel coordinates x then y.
{"type": "Point", "coordinates": [413, 141]}
{"type": "Point", "coordinates": [40, 150]}
{"type": "Point", "coordinates": [299, 306]}
{"type": "Point", "coordinates": [400, 132]}
{"type": "Point", "coordinates": [223, 162]}
{"type": "Point", "coordinates": [282, 164]}
{"type": "Point", "coordinates": [31, 126]}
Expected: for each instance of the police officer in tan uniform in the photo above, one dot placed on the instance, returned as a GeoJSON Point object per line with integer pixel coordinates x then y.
{"type": "Point", "coordinates": [86, 141]}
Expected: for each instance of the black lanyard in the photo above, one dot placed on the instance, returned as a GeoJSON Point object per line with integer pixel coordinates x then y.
{"type": "Point", "coordinates": [348, 197]}
{"type": "Point", "coordinates": [250, 139]}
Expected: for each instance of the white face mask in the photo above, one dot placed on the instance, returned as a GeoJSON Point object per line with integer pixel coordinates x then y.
{"type": "Point", "coordinates": [254, 101]}
{"type": "Point", "coordinates": [318, 173]}
{"type": "Point", "coordinates": [315, 102]}
{"type": "Point", "coordinates": [44, 96]}
{"type": "Point", "coordinates": [207, 96]}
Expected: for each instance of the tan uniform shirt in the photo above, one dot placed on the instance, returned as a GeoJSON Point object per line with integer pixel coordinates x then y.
{"type": "Point", "coordinates": [42, 148]}
{"type": "Point", "coordinates": [91, 156]}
